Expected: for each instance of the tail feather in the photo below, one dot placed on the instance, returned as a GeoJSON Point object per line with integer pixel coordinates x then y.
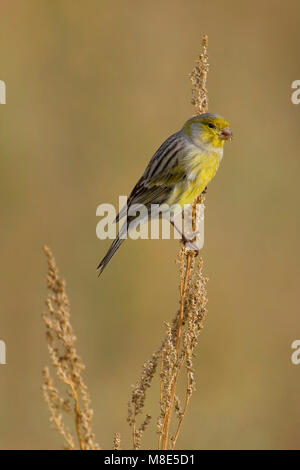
{"type": "Point", "coordinates": [113, 248]}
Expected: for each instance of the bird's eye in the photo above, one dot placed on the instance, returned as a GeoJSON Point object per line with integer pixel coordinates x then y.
{"type": "Point", "coordinates": [212, 126]}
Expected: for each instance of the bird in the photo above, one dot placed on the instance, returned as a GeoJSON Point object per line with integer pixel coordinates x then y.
{"type": "Point", "coordinates": [179, 170]}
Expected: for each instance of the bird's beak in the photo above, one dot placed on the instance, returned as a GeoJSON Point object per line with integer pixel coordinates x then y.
{"type": "Point", "coordinates": [225, 134]}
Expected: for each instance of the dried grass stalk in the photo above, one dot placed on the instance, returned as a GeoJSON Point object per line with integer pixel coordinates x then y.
{"type": "Point", "coordinates": [177, 348]}
{"type": "Point", "coordinates": [67, 365]}
{"type": "Point", "coordinates": [199, 79]}
{"type": "Point", "coordinates": [117, 441]}
{"type": "Point", "coordinates": [137, 400]}
{"type": "Point", "coordinates": [192, 287]}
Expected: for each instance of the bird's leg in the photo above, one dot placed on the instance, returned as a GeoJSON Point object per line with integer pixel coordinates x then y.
{"type": "Point", "coordinates": [184, 238]}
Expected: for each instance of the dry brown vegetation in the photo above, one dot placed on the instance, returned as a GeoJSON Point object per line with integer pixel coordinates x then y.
{"type": "Point", "coordinates": [177, 348]}
{"type": "Point", "coordinates": [67, 365]}
{"type": "Point", "coordinates": [172, 359]}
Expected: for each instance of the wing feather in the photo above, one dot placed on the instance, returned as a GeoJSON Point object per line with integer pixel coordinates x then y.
{"type": "Point", "coordinates": [160, 176]}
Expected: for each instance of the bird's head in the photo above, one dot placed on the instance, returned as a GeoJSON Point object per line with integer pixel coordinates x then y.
{"type": "Point", "coordinates": [208, 129]}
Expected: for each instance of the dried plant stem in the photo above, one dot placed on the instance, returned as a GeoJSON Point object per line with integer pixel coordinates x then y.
{"type": "Point", "coordinates": [187, 400]}
{"type": "Point", "coordinates": [199, 79]}
{"type": "Point", "coordinates": [183, 297]}
{"type": "Point", "coordinates": [160, 399]}
{"type": "Point", "coordinates": [77, 414]}
{"type": "Point", "coordinates": [177, 348]}
{"type": "Point", "coordinates": [117, 441]}
{"type": "Point", "coordinates": [54, 403]}
{"type": "Point", "coordinates": [137, 401]}
{"type": "Point", "coordinates": [67, 365]}
{"type": "Point", "coordinates": [134, 432]}
{"type": "Point", "coordinates": [200, 101]}
{"type": "Point", "coordinates": [183, 290]}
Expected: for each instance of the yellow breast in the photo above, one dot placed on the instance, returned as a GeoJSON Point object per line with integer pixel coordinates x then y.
{"type": "Point", "coordinates": [202, 168]}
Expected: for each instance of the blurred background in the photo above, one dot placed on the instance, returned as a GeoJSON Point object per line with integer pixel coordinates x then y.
{"type": "Point", "coordinates": [93, 88]}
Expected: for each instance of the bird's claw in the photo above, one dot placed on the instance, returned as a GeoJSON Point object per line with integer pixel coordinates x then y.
{"type": "Point", "coordinates": [191, 241]}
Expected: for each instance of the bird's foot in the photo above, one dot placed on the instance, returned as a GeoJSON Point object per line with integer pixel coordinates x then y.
{"type": "Point", "coordinates": [191, 241]}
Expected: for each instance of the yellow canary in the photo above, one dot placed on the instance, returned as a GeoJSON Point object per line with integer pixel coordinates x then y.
{"type": "Point", "coordinates": [180, 169]}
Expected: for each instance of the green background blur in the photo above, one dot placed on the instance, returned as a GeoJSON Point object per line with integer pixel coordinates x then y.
{"type": "Point", "coordinates": [93, 88]}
